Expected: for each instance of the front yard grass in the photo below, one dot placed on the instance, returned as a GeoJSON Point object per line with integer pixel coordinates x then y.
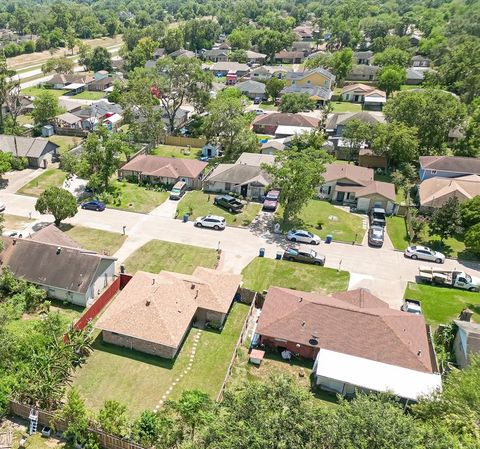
{"type": "Point", "coordinates": [132, 197]}
{"type": "Point", "coordinates": [50, 177]}
{"type": "Point", "coordinates": [140, 380]}
{"type": "Point", "coordinates": [345, 106]}
{"type": "Point", "coordinates": [198, 204]}
{"type": "Point", "coordinates": [176, 151]}
{"type": "Point", "coordinates": [15, 222]}
{"type": "Point", "coordinates": [89, 95]}
{"type": "Point", "coordinates": [343, 226]}
{"type": "Point", "coordinates": [441, 305]}
{"type": "Point", "coordinates": [397, 231]}
{"type": "Point", "coordinates": [66, 143]}
{"type": "Point", "coordinates": [104, 242]}
{"type": "Point", "coordinates": [267, 106]}
{"type": "Point", "coordinates": [262, 273]}
{"type": "Point", "coordinates": [34, 91]}
{"type": "Point", "coordinates": [158, 255]}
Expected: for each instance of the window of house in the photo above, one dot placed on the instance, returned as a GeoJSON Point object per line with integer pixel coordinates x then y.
{"type": "Point", "coordinates": [228, 186]}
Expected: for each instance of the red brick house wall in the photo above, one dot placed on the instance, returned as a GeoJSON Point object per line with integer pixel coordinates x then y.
{"type": "Point", "coordinates": [307, 352]}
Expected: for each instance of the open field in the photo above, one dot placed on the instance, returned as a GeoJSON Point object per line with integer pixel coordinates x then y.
{"type": "Point", "coordinates": [157, 255]}
{"type": "Point", "coordinates": [198, 204]}
{"type": "Point", "coordinates": [441, 305]}
{"type": "Point", "coordinates": [140, 380]}
{"type": "Point", "coordinates": [342, 225]}
{"type": "Point", "coordinates": [262, 273]}
{"type": "Point", "coordinates": [50, 177]}
{"type": "Point", "coordinates": [176, 151]}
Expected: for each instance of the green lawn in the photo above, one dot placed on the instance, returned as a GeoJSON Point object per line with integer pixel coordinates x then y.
{"type": "Point", "coordinates": [50, 177]}
{"type": "Point", "coordinates": [36, 441]}
{"type": "Point", "coordinates": [130, 196]}
{"type": "Point", "coordinates": [199, 204]}
{"type": "Point", "coordinates": [176, 151]}
{"type": "Point", "coordinates": [104, 242]}
{"type": "Point", "coordinates": [157, 255]}
{"type": "Point", "coordinates": [35, 91]}
{"type": "Point", "coordinates": [342, 225]}
{"type": "Point", "coordinates": [441, 304]}
{"type": "Point", "coordinates": [397, 231]}
{"type": "Point", "coordinates": [65, 143]}
{"type": "Point", "coordinates": [345, 106]}
{"type": "Point", "coordinates": [87, 95]}
{"type": "Point", "coordinates": [262, 273]}
{"type": "Point", "coordinates": [267, 106]}
{"type": "Point", "coordinates": [15, 222]}
{"type": "Point", "coordinates": [140, 380]}
{"type": "Point", "coordinates": [25, 120]}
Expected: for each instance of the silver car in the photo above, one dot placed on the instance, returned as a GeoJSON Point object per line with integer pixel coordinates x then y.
{"type": "Point", "coordinates": [210, 221]}
{"type": "Point", "coordinates": [298, 235]}
{"type": "Point", "coordinates": [424, 253]}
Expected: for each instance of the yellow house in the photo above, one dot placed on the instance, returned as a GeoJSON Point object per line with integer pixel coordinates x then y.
{"type": "Point", "coordinates": [318, 77]}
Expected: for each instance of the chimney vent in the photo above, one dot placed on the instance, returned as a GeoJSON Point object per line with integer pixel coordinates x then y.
{"type": "Point", "coordinates": [419, 353]}
{"type": "Point", "coordinates": [303, 323]}
{"type": "Point", "coordinates": [147, 302]}
{"type": "Point", "coordinates": [153, 281]}
{"type": "Point", "coordinates": [59, 249]}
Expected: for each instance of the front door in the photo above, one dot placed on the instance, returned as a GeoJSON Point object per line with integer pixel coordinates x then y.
{"type": "Point", "coordinates": [340, 196]}
{"type": "Point", "coordinates": [244, 190]}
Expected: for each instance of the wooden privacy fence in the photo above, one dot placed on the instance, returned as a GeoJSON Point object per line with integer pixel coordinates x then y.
{"type": "Point", "coordinates": [46, 418]}
{"type": "Point", "coordinates": [185, 141]}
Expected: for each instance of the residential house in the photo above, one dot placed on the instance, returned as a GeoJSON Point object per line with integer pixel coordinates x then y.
{"type": "Point", "coordinates": [66, 273]}
{"type": "Point", "coordinates": [374, 100]}
{"type": "Point", "coordinates": [317, 77]}
{"type": "Point", "coordinates": [272, 146]}
{"type": "Point", "coordinates": [265, 72]}
{"type": "Point", "coordinates": [305, 47]}
{"type": "Point", "coordinates": [67, 120]}
{"type": "Point", "coordinates": [38, 151]}
{"type": "Point", "coordinates": [182, 53]}
{"type": "Point", "coordinates": [154, 312]}
{"type": "Point", "coordinates": [284, 131]}
{"type": "Point", "coordinates": [356, 340]}
{"type": "Point", "coordinates": [268, 123]}
{"type": "Point", "coordinates": [289, 57]}
{"type": "Point", "coordinates": [159, 53]}
{"type": "Point", "coordinates": [336, 122]}
{"type": "Point", "coordinates": [245, 177]}
{"type": "Point", "coordinates": [252, 89]}
{"type": "Point", "coordinates": [99, 85]}
{"type": "Point", "coordinates": [255, 58]}
{"type": "Point", "coordinates": [216, 55]}
{"type": "Point", "coordinates": [467, 339]}
{"type": "Point", "coordinates": [363, 72]}
{"type": "Point", "coordinates": [355, 186]}
{"type": "Point", "coordinates": [370, 97]}
{"type": "Point", "coordinates": [164, 170]}
{"type": "Point", "coordinates": [304, 32]}
{"type": "Point", "coordinates": [62, 80]}
{"type": "Point", "coordinates": [435, 192]}
{"type": "Point", "coordinates": [420, 61]}
{"type": "Point", "coordinates": [222, 68]}
{"type": "Point", "coordinates": [415, 75]}
{"type": "Point", "coordinates": [363, 57]}
{"type": "Point", "coordinates": [100, 110]}
{"type": "Point", "coordinates": [320, 95]}
{"type": "Point", "coordinates": [448, 166]}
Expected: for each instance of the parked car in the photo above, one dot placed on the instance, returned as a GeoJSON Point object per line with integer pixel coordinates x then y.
{"type": "Point", "coordinates": [376, 235]}
{"type": "Point", "coordinates": [257, 100]}
{"type": "Point", "coordinates": [210, 221]}
{"type": "Point", "coordinates": [303, 255]}
{"type": "Point", "coordinates": [424, 253]}
{"type": "Point", "coordinates": [412, 306]}
{"type": "Point", "coordinates": [2, 207]}
{"type": "Point", "coordinates": [298, 235]}
{"type": "Point", "coordinates": [94, 205]}
{"type": "Point", "coordinates": [377, 217]}
{"type": "Point", "coordinates": [229, 203]}
{"type": "Point", "coordinates": [271, 200]}
{"type": "Point", "coordinates": [178, 190]}
{"type": "Point", "coordinates": [259, 111]}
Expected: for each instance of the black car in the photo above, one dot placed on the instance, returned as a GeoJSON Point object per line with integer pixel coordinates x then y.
{"type": "Point", "coordinates": [305, 256]}
{"type": "Point", "coordinates": [228, 202]}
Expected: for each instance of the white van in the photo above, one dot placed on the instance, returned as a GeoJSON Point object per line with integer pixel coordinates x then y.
{"type": "Point", "coordinates": [178, 190]}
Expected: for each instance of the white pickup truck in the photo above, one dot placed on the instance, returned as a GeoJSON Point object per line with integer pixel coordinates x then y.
{"type": "Point", "coordinates": [449, 278]}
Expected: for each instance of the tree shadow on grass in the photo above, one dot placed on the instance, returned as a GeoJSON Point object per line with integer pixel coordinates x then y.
{"type": "Point", "coordinates": [442, 247]}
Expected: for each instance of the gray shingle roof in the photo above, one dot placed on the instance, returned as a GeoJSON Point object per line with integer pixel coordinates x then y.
{"type": "Point", "coordinates": [26, 146]}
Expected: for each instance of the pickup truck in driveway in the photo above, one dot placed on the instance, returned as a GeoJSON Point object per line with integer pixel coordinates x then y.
{"type": "Point", "coordinates": [228, 202]}
{"type": "Point", "coordinates": [449, 278]}
{"type": "Point", "coordinates": [412, 306]}
{"type": "Point", "coordinates": [303, 255]}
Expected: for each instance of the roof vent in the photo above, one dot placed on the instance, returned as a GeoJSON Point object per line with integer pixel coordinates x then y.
{"type": "Point", "coordinates": [419, 353]}
{"type": "Point", "coordinates": [147, 302]}
{"type": "Point", "coordinates": [300, 299]}
{"type": "Point", "coordinates": [59, 249]}
{"type": "Point", "coordinates": [14, 241]}
{"type": "Point", "coordinates": [153, 281]}
{"type": "Point", "coordinates": [192, 286]}
{"type": "Point", "coordinates": [303, 323]}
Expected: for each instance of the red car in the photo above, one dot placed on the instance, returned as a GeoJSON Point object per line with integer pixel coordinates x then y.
{"type": "Point", "coordinates": [271, 200]}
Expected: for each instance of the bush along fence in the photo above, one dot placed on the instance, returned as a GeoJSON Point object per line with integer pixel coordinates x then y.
{"type": "Point", "coordinates": [46, 418]}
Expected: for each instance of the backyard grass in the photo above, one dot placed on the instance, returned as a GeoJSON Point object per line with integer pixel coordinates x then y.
{"type": "Point", "coordinates": [441, 305]}
{"type": "Point", "coordinates": [35, 91]}
{"type": "Point", "coordinates": [140, 380]}
{"type": "Point", "coordinates": [397, 231]}
{"type": "Point", "coordinates": [342, 225]}
{"type": "Point", "coordinates": [345, 106]}
{"type": "Point", "coordinates": [176, 151]}
{"type": "Point", "coordinates": [262, 273]}
{"type": "Point", "coordinates": [65, 143]}
{"type": "Point", "coordinates": [132, 197]}
{"type": "Point", "coordinates": [157, 255]}
{"type": "Point", "coordinates": [25, 119]}
{"type": "Point", "coordinates": [267, 106]}
{"type": "Point", "coordinates": [198, 204]}
{"type": "Point", "coordinates": [87, 95]}
{"type": "Point", "coordinates": [50, 177]}
{"type": "Point", "coordinates": [15, 222]}
{"type": "Point", "coordinates": [36, 441]}
{"type": "Point", "coordinates": [104, 242]}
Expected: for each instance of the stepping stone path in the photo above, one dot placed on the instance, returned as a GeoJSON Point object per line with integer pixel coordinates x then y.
{"type": "Point", "coordinates": [196, 339]}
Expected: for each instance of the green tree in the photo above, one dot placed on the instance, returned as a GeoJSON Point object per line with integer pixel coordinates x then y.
{"type": "Point", "coordinates": [6, 85]}
{"type": "Point", "coordinates": [469, 146]}
{"type": "Point", "coordinates": [270, 42]}
{"type": "Point", "coordinates": [58, 202]}
{"type": "Point", "coordinates": [58, 65]}
{"type": "Point", "coordinates": [296, 102]}
{"type": "Point", "coordinates": [45, 108]}
{"type": "Point", "coordinates": [445, 220]}
{"type": "Point", "coordinates": [74, 413]}
{"type": "Point", "coordinates": [342, 63]}
{"type": "Point", "coordinates": [357, 134]}
{"type": "Point", "coordinates": [391, 78]}
{"type": "Point", "coordinates": [298, 174]}
{"type": "Point", "coordinates": [273, 87]}
{"type": "Point", "coordinates": [240, 39]}
{"type": "Point", "coordinates": [142, 53]}
{"type": "Point", "coordinates": [146, 429]}
{"type": "Point", "coordinates": [173, 40]}
{"type": "Point", "coordinates": [113, 419]}
{"type": "Point", "coordinates": [100, 60]}
{"type": "Point", "coordinates": [470, 211]}
{"type": "Point", "coordinates": [319, 60]}
{"type": "Point", "coordinates": [238, 55]}
{"type": "Point", "coordinates": [472, 238]}
{"type": "Point", "coordinates": [200, 33]}
{"type": "Point", "coordinates": [5, 163]}
{"type": "Point", "coordinates": [392, 56]}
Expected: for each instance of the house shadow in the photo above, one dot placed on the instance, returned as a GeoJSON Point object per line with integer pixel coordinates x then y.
{"type": "Point", "coordinates": [40, 225]}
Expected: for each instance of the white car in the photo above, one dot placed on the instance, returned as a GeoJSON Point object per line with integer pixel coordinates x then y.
{"type": "Point", "coordinates": [259, 111]}
{"type": "Point", "coordinates": [424, 253]}
{"type": "Point", "coordinates": [298, 235]}
{"type": "Point", "coordinates": [210, 221]}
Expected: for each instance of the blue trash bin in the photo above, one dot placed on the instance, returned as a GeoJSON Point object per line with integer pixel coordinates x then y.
{"type": "Point", "coordinates": [261, 253]}
{"type": "Point", "coordinates": [185, 218]}
{"type": "Point", "coordinates": [329, 238]}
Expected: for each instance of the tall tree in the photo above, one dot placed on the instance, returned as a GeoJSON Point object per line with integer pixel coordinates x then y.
{"type": "Point", "coordinates": [470, 211]}
{"type": "Point", "coordinates": [342, 63]}
{"type": "Point", "coordinates": [113, 419]}
{"type": "Point", "coordinates": [6, 85]}
{"type": "Point", "coordinates": [173, 40]}
{"type": "Point", "coordinates": [100, 59]}
{"type": "Point", "coordinates": [392, 56]}
{"type": "Point", "coordinates": [357, 133]}
{"type": "Point", "coordinates": [271, 41]}
{"type": "Point", "coordinates": [200, 33]}
{"type": "Point", "coordinates": [274, 86]}
{"type": "Point", "coordinates": [296, 102]}
{"type": "Point", "coordinates": [391, 78]}
{"type": "Point", "coordinates": [45, 108]}
{"type": "Point", "coordinates": [445, 220]}
{"type": "Point", "coordinates": [58, 65]}
{"type": "Point", "coordinates": [58, 202]}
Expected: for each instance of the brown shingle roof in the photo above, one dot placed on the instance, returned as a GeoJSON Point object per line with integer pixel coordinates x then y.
{"type": "Point", "coordinates": [466, 165]}
{"type": "Point", "coordinates": [54, 236]}
{"type": "Point", "coordinates": [167, 167]}
{"type": "Point", "coordinates": [385, 189]}
{"type": "Point", "coordinates": [159, 308]}
{"type": "Point", "coordinates": [285, 119]}
{"type": "Point", "coordinates": [359, 175]}
{"type": "Point", "coordinates": [375, 333]}
{"type": "Point", "coordinates": [434, 192]}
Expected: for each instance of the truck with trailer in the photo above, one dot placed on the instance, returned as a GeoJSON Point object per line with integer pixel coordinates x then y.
{"type": "Point", "coordinates": [449, 278]}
